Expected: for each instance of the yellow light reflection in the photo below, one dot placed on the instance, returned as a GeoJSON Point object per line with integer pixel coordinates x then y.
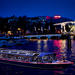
{"type": "Point", "coordinates": [45, 45]}
{"type": "Point", "coordinates": [39, 45]}
{"type": "Point", "coordinates": [39, 41]}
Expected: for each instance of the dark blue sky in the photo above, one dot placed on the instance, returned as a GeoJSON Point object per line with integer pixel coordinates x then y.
{"type": "Point", "coordinates": [65, 8]}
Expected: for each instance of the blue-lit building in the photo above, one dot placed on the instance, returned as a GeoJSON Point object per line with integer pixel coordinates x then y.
{"type": "Point", "coordinates": [45, 24]}
{"type": "Point", "coordinates": [38, 25]}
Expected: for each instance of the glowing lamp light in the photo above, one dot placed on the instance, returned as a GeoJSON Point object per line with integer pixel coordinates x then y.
{"type": "Point", "coordinates": [9, 32]}
{"type": "Point", "coordinates": [57, 17]}
{"type": "Point", "coordinates": [45, 29]}
{"type": "Point", "coordinates": [19, 29]}
{"type": "Point", "coordinates": [38, 28]}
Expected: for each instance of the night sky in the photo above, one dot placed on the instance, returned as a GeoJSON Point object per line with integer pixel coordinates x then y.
{"type": "Point", "coordinates": [31, 8]}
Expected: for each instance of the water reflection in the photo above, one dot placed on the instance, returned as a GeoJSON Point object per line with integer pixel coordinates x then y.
{"type": "Point", "coordinates": [38, 45]}
{"type": "Point", "coordinates": [45, 45]}
{"type": "Point", "coordinates": [58, 46]}
{"type": "Point", "coordinates": [61, 48]}
{"type": "Point", "coordinates": [73, 47]}
{"type": "Point", "coordinates": [68, 50]}
{"type": "Point", "coordinates": [42, 45]}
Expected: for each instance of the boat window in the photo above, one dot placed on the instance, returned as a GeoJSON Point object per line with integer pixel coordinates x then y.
{"type": "Point", "coordinates": [44, 57]}
{"type": "Point", "coordinates": [13, 52]}
{"type": "Point", "coordinates": [22, 53]}
{"type": "Point", "coordinates": [4, 51]}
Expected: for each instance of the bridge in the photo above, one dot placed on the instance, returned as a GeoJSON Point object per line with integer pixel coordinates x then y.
{"type": "Point", "coordinates": [40, 36]}
{"type": "Point", "coordinates": [71, 25]}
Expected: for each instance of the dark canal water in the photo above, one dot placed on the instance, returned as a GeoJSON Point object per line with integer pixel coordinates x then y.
{"type": "Point", "coordinates": [60, 47]}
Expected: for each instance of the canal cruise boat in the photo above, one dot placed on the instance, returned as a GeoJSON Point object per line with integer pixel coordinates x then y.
{"type": "Point", "coordinates": [32, 59]}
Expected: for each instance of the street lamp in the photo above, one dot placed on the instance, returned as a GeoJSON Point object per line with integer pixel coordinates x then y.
{"type": "Point", "coordinates": [9, 33]}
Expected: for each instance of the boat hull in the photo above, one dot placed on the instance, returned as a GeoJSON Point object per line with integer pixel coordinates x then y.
{"type": "Point", "coordinates": [36, 65]}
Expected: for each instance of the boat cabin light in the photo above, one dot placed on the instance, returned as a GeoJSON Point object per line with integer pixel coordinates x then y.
{"type": "Point", "coordinates": [13, 52]}
{"type": "Point", "coordinates": [21, 53]}
{"type": "Point", "coordinates": [46, 54]}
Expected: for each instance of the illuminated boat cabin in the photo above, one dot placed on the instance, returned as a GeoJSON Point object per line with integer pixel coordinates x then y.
{"type": "Point", "coordinates": [28, 56]}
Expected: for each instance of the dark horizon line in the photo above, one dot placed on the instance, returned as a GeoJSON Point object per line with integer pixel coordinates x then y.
{"type": "Point", "coordinates": [33, 16]}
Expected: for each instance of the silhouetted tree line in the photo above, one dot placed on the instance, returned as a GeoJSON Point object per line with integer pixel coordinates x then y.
{"type": "Point", "coordinates": [25, 23]}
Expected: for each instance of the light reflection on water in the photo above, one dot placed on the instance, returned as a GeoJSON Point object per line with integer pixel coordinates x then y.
{"type": "Point", "coordinates": [61, 49]}
{"type": "Point", "coordinates": [73, 47]}
{"type": "Point", "coordinates": [58, 46]}
{"type": "Point", "coordinates": [42, 45]}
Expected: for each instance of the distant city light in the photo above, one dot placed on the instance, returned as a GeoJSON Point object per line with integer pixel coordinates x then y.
{"type": "Point", "coordinates": [42, 29]}
{"type": "Point", "coordinates": [19, 29]}
{"type": "Point", "coordinates": [72, 29]}
{"type": "Point", "coordinates": [47, 17]}
{"type": "Point", "coordinates": [35, 28]}
{"type": "Point", "coordinates": [38, 28]}
{"type": "Point", "coordinates": [9, 32]}
{"type": "Point", "coordinates": [49, 27]}
{"type": "Point", "coordinates": [57, 17]}
{"type": "Point", "coordinates": [45, 29]}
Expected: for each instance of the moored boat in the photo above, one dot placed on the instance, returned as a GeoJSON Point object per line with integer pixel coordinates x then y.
{"type": "Point", "coordinates": [32, 59]}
